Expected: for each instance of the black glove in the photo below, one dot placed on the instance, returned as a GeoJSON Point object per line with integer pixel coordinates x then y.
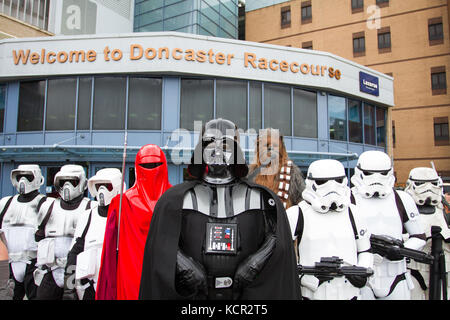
{"type": "Point", "coordinates": [190, 276]}
{"type": "Point", "coordinates": [357, 281]}
{"type": "Point", "coordinates": [248, 270]}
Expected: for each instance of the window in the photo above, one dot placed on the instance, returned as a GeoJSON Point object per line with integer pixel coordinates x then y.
{"type": "Point", "coordinates": [255, 100]}
{"type": "Point", "coordinates": [381, 127]}
{"type": "Point", "coordinates": [355, 121]}
{"type": "Point", "coordinates": [84, 104]}
{"type": "Point", "coordinates": [438, 80]}
{"type": "Point", "coordinates": [109, 103]}
{"type": "Point", "coordinates": [359, 44]}
{"type": "Point", "coordinates": [435, 31]}
{"type": "Point", "coordinates": [231, 101]}
{"type": "Point", "coordinates": [2, 105]}
{"type": "Point", "coordinates": [306, 12]}
{"type": "Point", "coordinates": [337, 118]}
{"type": "Point", "coordinates": [357, 6]}
{"type": "Point", "coordinates": [197, 102]}
{"type": "Point", "coordinates": [285, 17]}
{"type": "Point", "coordinates": [384, 40]}
{"type": "Point", "coordinates": [61, 99]}
{"type": "Point", "coordinates": [305, 113]}
{"type": "Point", "coordinates": [369, 124]}
{"type": "Point", "coordinates": [31, 106]}
{"type": "Point", "coordinates": [277, 108]}
{"type": "Point", "coordinates": [144, 104]}
{"type": "Point", "coordinates": [307, 45]}
{"type": "Point", "coordinates": [441, 136]}
{"type": "Point", "coordinates": [382, 3]}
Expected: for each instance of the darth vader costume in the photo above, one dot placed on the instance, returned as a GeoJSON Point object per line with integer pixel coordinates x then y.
{"type": "Point", "coordinates": [120, 270]}
{"type": "Point", "coordinates": [219, 236]}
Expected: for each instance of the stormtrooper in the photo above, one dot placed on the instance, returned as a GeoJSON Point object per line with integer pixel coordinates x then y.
{"type": "Point", "coordinates": [325, 225]}
{"type": "Point", "coordinates": [426, 188]}
{"type": "Point", "coordinates": [388, 212]}
{"type": "Point", "coordinates": [219, 236]}
{"type": "Point", "coordinates": [83, 259]}
{"type": "Point", "coordinates": [57, 223]}
{"type": "Point", "coordinates": [18, 222]}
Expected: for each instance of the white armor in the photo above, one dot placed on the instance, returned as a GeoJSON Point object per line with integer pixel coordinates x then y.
{"type": "Point", "coordinates": [19, 221]}
{"type": "Point", "coordinates": [59, 233]}
{"type": "Point", "coordinates": [70, 181]}
{"type": "Point", "coordinates": [329, 232]}
{"type": "Point", "coordinates": [19, 225]}
{"type": "Point", "coordinates": [425, 186]}
{"type": "Point", "coordinates": [104, 186]}
{"type": "Point", "coordinates": [378, 205]}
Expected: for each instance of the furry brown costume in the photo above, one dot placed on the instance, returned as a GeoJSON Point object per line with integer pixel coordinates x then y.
{"type": "Point", "coordinates": [282, 176]}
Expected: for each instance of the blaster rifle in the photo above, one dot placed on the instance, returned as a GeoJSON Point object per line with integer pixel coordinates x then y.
{"type": "Point", "coordinates": [382, 244]}
{"type": "Point", "coordinates": [331, 267]}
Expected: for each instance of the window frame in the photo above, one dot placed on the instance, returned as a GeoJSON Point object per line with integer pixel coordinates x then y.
{"type": "Point", "coordinates": [306, 7]}
{"type": "Point", "coordinates": [285, 10]}
{"type": "Point", "coordinates": [383, 34]}
{"type": "Point", "coordinates": [439, 38]}
{"type": "Point", "coordinates": [440, 74]}
{"type": "Point", "coordinates": [442, 124]}
{"type": "Point", "coordinates": [357, 6]}
{"type": "Point", "coordinates": [358, 36]}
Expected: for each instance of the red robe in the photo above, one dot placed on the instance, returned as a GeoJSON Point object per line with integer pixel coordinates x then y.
{"type": "Point", "coordinates": [120, 271]}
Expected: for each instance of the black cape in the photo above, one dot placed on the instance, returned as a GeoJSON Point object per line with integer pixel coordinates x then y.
{"type": "Point", "coordinates": [277, 281]}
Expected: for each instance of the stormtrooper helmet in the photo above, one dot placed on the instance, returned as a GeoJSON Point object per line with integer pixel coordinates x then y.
{"type": "Point", "coordinates": [27, 178]}
{"type": "Point", "coordinates": [70, 181]}
{"type": "Point", "coordinates": [425, 186]}
{"type": "Point", "coordinates": [374, 175]}
{"type": "Point", "coordinates": [326, 186]}
{"type": "Point", "coordinates": [105, 185]}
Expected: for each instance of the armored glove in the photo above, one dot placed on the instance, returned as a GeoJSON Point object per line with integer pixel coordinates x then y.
{"type": "Point", "coordinates": [190, 277]}
{"type": "Point", "coordinates": [249, 269]}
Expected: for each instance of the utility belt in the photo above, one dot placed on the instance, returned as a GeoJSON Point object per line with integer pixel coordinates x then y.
{"type": "Point", "coordinates": [24, 256]}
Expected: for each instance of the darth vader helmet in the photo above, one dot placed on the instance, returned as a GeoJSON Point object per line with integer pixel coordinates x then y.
{"type": "Point", "coordinates": [218, 157]}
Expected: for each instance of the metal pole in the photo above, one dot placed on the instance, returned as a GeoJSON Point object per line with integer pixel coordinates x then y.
{"type": "Point", "coordinates": [121, 188]}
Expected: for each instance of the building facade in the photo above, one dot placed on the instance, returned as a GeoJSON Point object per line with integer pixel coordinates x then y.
{"type": "Point", "coordinates": [408, 40]}
{"type": "Point", "coordinates": [218, 18]}
{"type": "Point", "coordinates": [68, 99]}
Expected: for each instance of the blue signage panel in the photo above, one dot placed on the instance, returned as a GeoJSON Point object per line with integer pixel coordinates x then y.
{"type": "Point", "coordinates": [369, 84]}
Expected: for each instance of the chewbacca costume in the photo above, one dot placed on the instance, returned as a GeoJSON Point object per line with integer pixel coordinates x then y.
{"type": "Point", "coordinates": [285, 179]}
